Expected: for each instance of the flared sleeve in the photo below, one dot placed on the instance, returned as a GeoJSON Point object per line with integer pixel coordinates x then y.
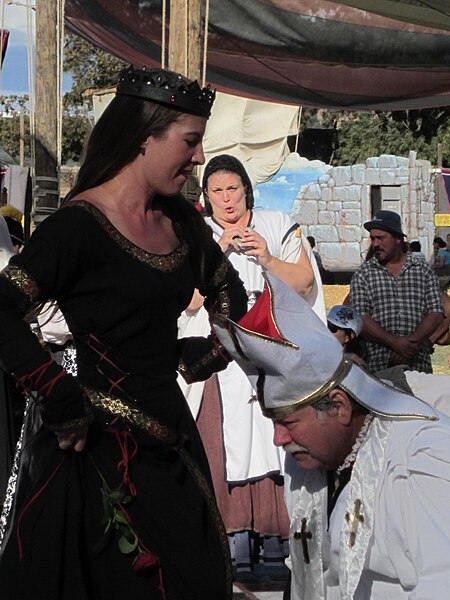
{"type": "Point", "coordinates": [42, 271]}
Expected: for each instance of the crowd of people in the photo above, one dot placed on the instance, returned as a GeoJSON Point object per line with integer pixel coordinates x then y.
{"type": "Point", "coordinates": [311, 439]}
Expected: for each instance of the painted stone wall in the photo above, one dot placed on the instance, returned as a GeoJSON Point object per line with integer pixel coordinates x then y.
{"type": "Point", "coordinates": [334, 208]}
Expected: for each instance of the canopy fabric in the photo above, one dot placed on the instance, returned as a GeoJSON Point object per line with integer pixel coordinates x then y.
{"type": "Point", "coordinates": [255, 132]}
{"type": "Point", "coordinates": [360, 55]}
{"type": "Point", "coordinates": [4, 37]}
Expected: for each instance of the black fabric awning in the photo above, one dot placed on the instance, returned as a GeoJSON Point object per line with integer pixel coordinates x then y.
{"type": "Point", "coordinates": [387, 55]}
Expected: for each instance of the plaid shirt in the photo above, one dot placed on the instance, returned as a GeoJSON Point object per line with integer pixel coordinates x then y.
{"type": "Point", "coordinates": [398, 305]}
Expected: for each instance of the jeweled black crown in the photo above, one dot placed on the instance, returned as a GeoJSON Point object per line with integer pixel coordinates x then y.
{"type": "Point", "coordinates": [166, 87]}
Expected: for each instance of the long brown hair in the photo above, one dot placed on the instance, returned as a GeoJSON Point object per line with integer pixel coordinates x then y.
{"type": "Point", "coordinates": [117, 138]}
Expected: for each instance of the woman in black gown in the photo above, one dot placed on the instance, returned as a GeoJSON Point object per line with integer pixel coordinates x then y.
{"type": "Point", "coordinates": [114, 495]}
{"type": "Point", "coordinates": [9, 409]}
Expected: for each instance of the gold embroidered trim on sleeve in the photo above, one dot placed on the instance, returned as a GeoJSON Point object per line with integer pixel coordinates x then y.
{"type": "Point", "coordinates": [188, 373]}
{"type": "Point", "coordinates": [220, 273]}
{"type": "Point", "coordinates": [20, 278]}
{"type": "Point", "coordinates": [223, 306]}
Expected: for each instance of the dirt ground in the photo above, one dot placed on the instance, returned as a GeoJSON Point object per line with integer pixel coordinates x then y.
{"type": "Point", "coordinates": [334, 294]}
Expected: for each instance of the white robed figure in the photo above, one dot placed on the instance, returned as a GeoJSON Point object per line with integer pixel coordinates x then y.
{"type": "Point", "coordinates": [255, 241]}
{"type": "Point", "coordinates": [250, 452]}
{"type": "Point", "coordinates": [373, 462]}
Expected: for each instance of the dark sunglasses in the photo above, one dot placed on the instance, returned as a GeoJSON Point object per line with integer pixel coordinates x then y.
{"type": "Point", "coordinates": [333, 329]}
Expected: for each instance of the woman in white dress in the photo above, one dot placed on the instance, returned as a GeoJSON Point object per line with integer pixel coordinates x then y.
{"type": "Point", "coordinates": [247, 468]}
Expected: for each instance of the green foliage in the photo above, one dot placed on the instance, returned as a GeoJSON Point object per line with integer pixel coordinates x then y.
{"type": "Point", "coordinates": [115, 517]}
{"type": "Point", "coordinates": [360, 135]}
{"type": "Point", "coordinates": [75, 131]}
{"type": "Point", "coordinates": [10, 125]}
{"type": "Point", "coordinates": [91, 69]}
{"type": "Point", "coordinates": [75, 128]}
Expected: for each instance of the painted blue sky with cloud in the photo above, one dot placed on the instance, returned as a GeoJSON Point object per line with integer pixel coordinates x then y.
{"type": "Point", "coordinates": [282, 189]}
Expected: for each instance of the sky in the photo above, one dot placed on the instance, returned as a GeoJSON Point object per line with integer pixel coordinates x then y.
{"type": "Point", "coordinates": [14, 74]}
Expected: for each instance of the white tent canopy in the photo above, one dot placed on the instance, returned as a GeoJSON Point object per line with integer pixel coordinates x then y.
{"type": "Point", "coordinates": [253, 131]}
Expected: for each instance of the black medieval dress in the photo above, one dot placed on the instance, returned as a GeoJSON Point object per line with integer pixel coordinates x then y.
{"type": "Point", "coordinates": [134, 515]}
{"type": "Point", "coordinates": [11, 414]}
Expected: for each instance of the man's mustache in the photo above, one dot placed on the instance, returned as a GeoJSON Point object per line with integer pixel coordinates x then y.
{"type": "Point", "coordinates": [291, 448]}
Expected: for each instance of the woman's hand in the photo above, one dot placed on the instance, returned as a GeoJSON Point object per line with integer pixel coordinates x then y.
{"type": "Point", "coordinates": [253, 244]}
{"type": "Point", "coordinates": [231, 237]}
{"type": "Point", "coordinates": [75, 439]}
{"type": "Point", "coordinates": [196, 302]}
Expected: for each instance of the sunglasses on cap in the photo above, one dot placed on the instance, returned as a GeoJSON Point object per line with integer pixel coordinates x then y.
{"type": "Point", "coordinates": [333, 328]}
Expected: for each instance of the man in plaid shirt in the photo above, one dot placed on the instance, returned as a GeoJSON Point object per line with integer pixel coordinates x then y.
{"type": "Point", "coordinates": [398, 298]}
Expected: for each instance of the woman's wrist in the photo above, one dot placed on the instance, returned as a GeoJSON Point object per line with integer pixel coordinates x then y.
{"type": "Point", "coordinates": [267, 263]}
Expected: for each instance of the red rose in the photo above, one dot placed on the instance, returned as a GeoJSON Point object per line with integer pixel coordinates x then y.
{"type": "Point", "coordinates": [145, 560]}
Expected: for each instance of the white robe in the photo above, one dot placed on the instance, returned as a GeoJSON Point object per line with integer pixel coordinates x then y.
{"type": "Point", "coordinates": [434, 389]}
{"type": "Point", "coordinates": [193, 323]}
{"type": "Point", "coordinates": [248, 435]}
{"type": "Point", "coordinates": [249, 449]}
{"type": "Point", "coordinates": [401, 551]}
{"type": "Point", "coordinates": [6, 247]}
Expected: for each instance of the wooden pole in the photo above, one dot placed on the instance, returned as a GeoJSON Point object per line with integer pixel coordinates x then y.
{"type": "Point", "coordinates": [185, 36]}
{"type": "Point", "coordinates": [46, 193]}
{"type": "Point", "coordinates": [185, 33]}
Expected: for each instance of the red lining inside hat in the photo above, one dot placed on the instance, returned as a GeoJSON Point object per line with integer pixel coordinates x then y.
{"type": "Point", "coordinates": [259, 318]}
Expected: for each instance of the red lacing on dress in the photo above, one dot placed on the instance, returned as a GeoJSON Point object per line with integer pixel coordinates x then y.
{"type": "Point", "coordinates": [30, 502]}
{"type": "Point", "coordinates": [128, 449]}
{"type": "Point", "coordinates": [102, 352]}
{"type": "Point", "coordinates": [125, 440]}
{"type": "Point", "coordinates": [32, 380]}
{"type": "Point", "coordinates": [146, 557]}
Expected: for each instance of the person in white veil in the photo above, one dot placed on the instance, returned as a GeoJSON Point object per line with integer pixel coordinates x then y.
{"type": "Point", "coordinates": [6, 246]}
{"type": "Point", "coordinates": [247, 469]}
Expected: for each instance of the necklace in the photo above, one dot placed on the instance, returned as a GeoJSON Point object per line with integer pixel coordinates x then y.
{"type": "Point", "coordinates": [348, 462]}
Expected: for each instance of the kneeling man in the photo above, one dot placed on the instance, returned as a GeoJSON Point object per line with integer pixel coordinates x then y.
{"type": "Point", "coordinates": [370, 518]}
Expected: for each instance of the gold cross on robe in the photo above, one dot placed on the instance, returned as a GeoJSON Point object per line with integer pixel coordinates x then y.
{"type": "Point", "coordinates": [354, 519]}
{"type": "Point", "coordinates": [304, 536]}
